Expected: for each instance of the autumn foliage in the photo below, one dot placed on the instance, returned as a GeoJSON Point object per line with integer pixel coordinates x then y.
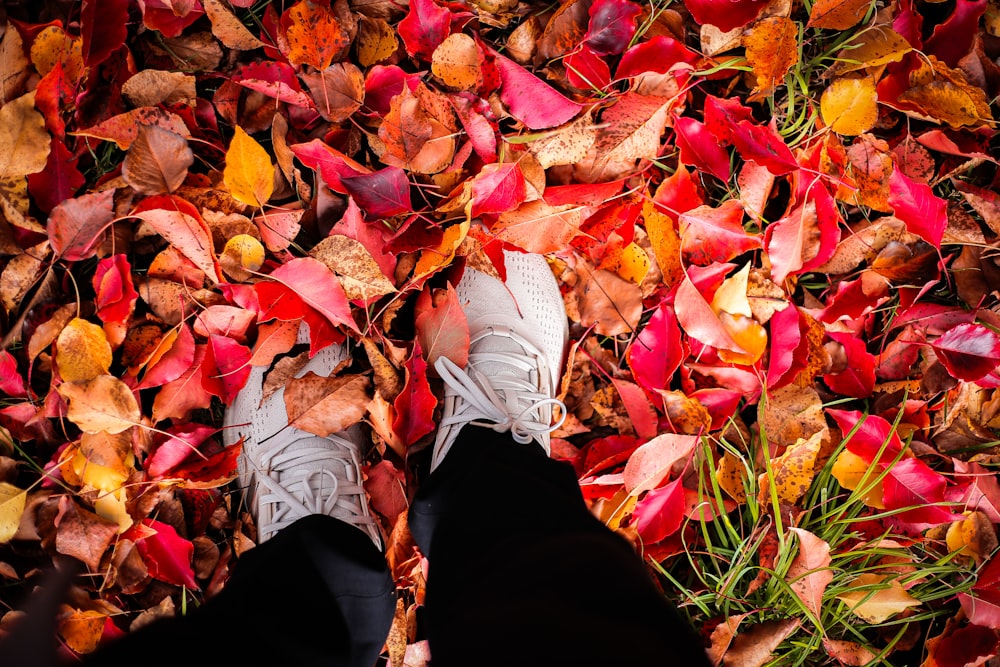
{"type": "Point", "coordinates": [775, 226]}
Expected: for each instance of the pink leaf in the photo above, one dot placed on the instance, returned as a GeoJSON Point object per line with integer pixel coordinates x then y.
{"type": "Point", "coordinates": [274, 79]}
{"type": "Point", "coordinates": [329, 162]}
{"type": "Point", "coordinates": [180, 224]}
{"type": "Point", "coordinates": [11, 382]}
{"type": "Point", "coordinates": [650, 465]}
{"type": "Point", "coordinates": [612, 25]}
{"type": "Point", "coordinates": [441, 326]}
{"type": "Point", "coordinates": [968, 351]}
{"type": "Point", "coordinates": [640, 410]}
{"type": "Point", "coordinates": [530, 100]}
{"type": "Point", "coordinates": [911, 483]}
{"type": "Point", "coordinates": [660, 513]}
{"type": "Point", "coordinates": [77, 225]}
{"type": "Point", "coordinates": [983, 608]}
{"type": "Point", "coordinates": [232, 361]}
{"type": "Point", "coordinates": [916, 205]}
{"type": "Point", "coordinates": [789, 350]}
{"type": "Point", "coordinates": [697, 318]}
{"type": "Point", "coordinates": [184, 440]}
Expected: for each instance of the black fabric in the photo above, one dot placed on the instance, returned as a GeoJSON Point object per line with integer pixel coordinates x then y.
{"type": "Point", "coordinates": [521, 573]}
{"type": "Point", "coordinates": [317, 593]}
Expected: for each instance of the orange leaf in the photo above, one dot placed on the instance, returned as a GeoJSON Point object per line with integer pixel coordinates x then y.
{"type": "Point", "coordinates": [314, 35]}
{"type": "Point", "coordinates": [837, 14]}
{"type": "Point", "coordinates": [104, 403]}
{"type": "Point", "coordinates": [772, 48]}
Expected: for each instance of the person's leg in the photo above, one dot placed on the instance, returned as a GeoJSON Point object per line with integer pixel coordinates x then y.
{"type": "Point", "coordinates": [520, 572]}
{"type": "Point", "coordinates": [316, 590]}
{"type": "Point", "coordinates": [317, 593]}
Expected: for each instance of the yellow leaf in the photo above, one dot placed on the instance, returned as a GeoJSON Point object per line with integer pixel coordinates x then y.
{"type": "Point", "coordinates": [24, 142]}
{"type": "Point", "coordinates": [731, 296]}
{"type": "Point", "coordinates": [249, 174]}
{"type": "Point", "coordinates": [871, 48]}
{"type": "Point", "coordinates": [242, 255]}
{"type": "Point", "coordinates": [849, 469]}
{"type": "Point", "coordinates": [431, 259]}
{"type": "Point", "coordinates": [112, 506]}
{"type": "Point", "coordinates": [666, 242]}
{"type": "Point", "coordinates": [793, 471]}
{"type": "Point", "coordinates": [974, 537]}
{"type": "Point", "coordinates": [52, 45]}
{"type": "Point", "coordinates": [12, 500]}
{"type": "Point", "coordinates": [874, 600]}
{"type": "Point", "coordinates": [376, 41]}
{"type": "Point", "coordinates": [456, 62]}
{"type": "Point", "coordinates": [82, 629]}
{"type": "Point", "coordinates": [730, 473]}
{"type": "Point", "coordinates": [632, 263]}
{"type": "Point", "coordinates": [849, 106]}
{"type": "Point", "coordinates": [82, 351]}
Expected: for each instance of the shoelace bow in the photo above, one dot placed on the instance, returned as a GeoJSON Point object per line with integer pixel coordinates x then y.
{"type": "Point", "coordinates": [504, 402]}
{"type": "Point", "coordinates": [319, 491]}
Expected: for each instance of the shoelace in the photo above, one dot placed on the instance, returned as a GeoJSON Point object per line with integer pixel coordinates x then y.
{"type": "Point", "coordinates": [322, 490]}
{"type": "Point", "coordinates": [503, 401]}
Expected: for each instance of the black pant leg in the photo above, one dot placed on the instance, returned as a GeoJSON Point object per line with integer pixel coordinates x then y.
{"type": "Point", "coordinates": [317, 593]}
{"type": "Point", "coordinates": [521, 573]}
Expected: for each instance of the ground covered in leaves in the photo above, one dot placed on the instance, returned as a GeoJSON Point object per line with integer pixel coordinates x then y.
{"type": "Point", "coordinates": [775, 225]}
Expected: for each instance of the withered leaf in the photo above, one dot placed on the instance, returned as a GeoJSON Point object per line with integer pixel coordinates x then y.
{"type": "Point", "coordinates": [324, 406]}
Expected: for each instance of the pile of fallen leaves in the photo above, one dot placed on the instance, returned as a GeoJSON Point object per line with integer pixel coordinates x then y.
{"type": "Point", "coordinates": [775, 226]}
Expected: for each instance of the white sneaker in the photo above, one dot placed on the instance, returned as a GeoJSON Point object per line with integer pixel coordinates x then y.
{"type": "Point", "coordinates": [518, 332]}
{"type": "Point", "coordinates": [287, 474]}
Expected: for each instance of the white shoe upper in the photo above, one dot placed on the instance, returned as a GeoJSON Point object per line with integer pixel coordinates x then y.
{"type": "Point", "coordinates": [518, 332]}
{"type": "Point", "coordinates": [286, 473]}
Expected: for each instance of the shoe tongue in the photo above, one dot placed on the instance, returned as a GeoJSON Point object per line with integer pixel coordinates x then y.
{"type": "Point", "coordinates": [499, 347]}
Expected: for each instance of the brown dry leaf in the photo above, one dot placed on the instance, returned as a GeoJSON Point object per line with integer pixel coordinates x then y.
{"type": "Point", "coordinates": [323, 406]}
{"type": "Point", "coordinates": [104, 403]}
{"type": "Point", "coordinates": [359, 273]}
{"type": "Point", "coordinates": [194, 52]}
{"type": "Point", "coordinates": [722, 636]}
{"type": "Point", "coordinates": [523, 40]}
{"type": "Point", "coordinates": [850, 105]}
{"type": "Point", "coordinates": [82, 629]}
{"type": "Point", "coordinates": [456, 62]}
{"type": "Point", "coordinates": [228, 29]}
{"type": "Point", "coordinates": [22, 274]}
{"type": "Point", "coordinates": [810, 573]}
{"type": "Point", "coordinates": [869, 167]}
{"type": "Point", "coordinates": [772, 48]}
{"type": "Point", "coordinates": [944, 94]}
{"type": "Point", "coordinates": [338, 91]}
{"type": "Point", "coordinates": [629, 131]}
{"type": "Point", "coordinates": [24, 142]}
{"type": "Point", "coordinates": [14, 64]}
{"type": "Point", "coordinates": [865, 241]}
{"type": "Point", "coordinates": [754, 647]}
{"type": "Point", "coordinates": [793, 471]}
{"type": "Point", "coordinates": [793, 413]}
{"type": "Point", "coordinates": [837, 14]}
{"type": "Point", "coordinates": [151, 87]}
{"type": "Point", "coordinates": [871, 49]}
{"type": "Point", "coordinates": [416, 133]}
{"type": "Point", "coordinates": [82, 351]}
{"type": "Point", "coordinates": [974, 537]}
{"type": "Point", "coordinates": [376, 41]}
{"type": "Point", "coordinates": [875, 598]}
{"type": "Point", "coordinates": [567, 144]}
{"type": "Point", "coordinates": [764, 296]}
{"type": "Point", "coordinates": [123, 128]}
{"type": "Point", "coordinates": [537, 227]}
{"type": "Point", "coordinates": [83, 534]}
{"type": "Point", "coordinates": [850, 654]}
{"type": "Point", "coordinates": [157, 161]}
{"type": "Point", "coordinates": [53, 46]}
{"type": "Point", "coordinates": [609, 303]}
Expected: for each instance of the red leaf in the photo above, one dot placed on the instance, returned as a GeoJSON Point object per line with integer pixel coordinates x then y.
{"type": "Point", "coordinates": [585, 70]}
{"type": "Point", "coordinates": [216, 470]}
{"type": "Point", "coordinates": [872, 433]}
{"type": "Point", "coordinates": [916, 205]}
{"type": "Point", "coordinates": [77, 225]}
{"type": "Point", "coordinates": [386, 485]}
{"type": "Point", "coordinates": [159, 15]}
{"type": "Point", "coordinates": [171, 364]}
{"type": "Point", "coordinates": [658, 54]}
{"type": "Point", "coordinates": [952, 39]}
{"type": "Point", "coordinates": [313, 282]}
{"type": "Point", "coordinates": [660, 512]}
{"type": "Point", "coordinates": [656, 353]}
{"type": "Point", "coordinates": [983, 608]}
{"type": "Point", "coordinates": [699, 149]}
{"type": "Point", "coordinates": [424, 28]}
{"type": "Point", "coordinates": [711, 235]}
{"type": "Point", "coordinates": [725, 14]}
{"type": "Point", "coordinates": [192, 390]}
{"type": "Point", "coordinates": [969, 645]}
{"type": "Point", "coordinates": [764, 146]}
{"type": "Point", "coordinates": [167, 555]}
{"type": "Point", "coordinates": [59, 180]}
{"type": "Point", "coordinates": [981, 494]}
{"type": "Point", "coordinates": [115, 294]}
{"type": "Point", "coordinates": [497, 188]}
{"type": "Point", "coordinates": [11, 382]}
{"type": "Point", "coordinates": [183, 441]}
{"type": "Point", "coordinates": [232, 361]}
{"type": "Point", "coordinates": [641, 412]}
{"type": "Point", "coordinates": [105, 32]}
{"type": "Point", "coordinates": [912, 483]}
{"type": "Point", "coordinates": [612, 25]}
{"type": "Point", "coordinates": [274, 79]}
{"type": "Point", "coordinates": [968, 351]}
{"type": "Point", "coordinates": [331, 163]}
{"type": "Point", "coordinates": [858, 379]}
{"type": "Point", "coordinates": [416, 402]}
{"type": "Point", "coordinates": [381, 194]}
{"type": "Point", "coordinates": [698, 319]}
{"type": "Point", "coordinates": [530, 100]}
{"type": "Point", "coordinates": [789, 350]}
